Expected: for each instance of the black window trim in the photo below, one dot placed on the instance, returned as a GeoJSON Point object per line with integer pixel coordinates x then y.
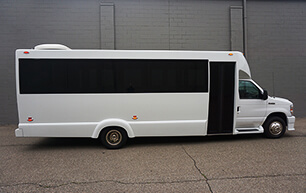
{"type": "Point", "coordinates": [201, 90]}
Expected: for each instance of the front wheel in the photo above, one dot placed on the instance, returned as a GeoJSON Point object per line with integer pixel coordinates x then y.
{"type": "Point", "coordinates": [113, 137]}
{"type": "Point", "coordinates": [274, 127]}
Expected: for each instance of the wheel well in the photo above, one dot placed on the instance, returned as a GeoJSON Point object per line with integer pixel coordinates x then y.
{"type": "Point", "coordinates": [280, 115]}
{"type": "Point", "coordinates": [113, 128]}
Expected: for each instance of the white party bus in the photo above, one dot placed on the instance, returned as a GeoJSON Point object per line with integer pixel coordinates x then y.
{"type": "Point", "coordinates": [114, 95]}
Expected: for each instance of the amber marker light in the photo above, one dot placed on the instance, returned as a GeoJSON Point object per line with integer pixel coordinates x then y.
{"type": "Point", "coordinates": [230, 54]}
{"type": "Point", "coordinates": [135, 117]}
{"type": "Point", "coordinates": [291, 109]}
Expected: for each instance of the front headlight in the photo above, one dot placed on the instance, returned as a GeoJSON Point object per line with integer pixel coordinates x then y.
{"type": "Point", "coordinates": [291, 109]}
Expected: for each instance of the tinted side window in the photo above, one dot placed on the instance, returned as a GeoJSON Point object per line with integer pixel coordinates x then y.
{"type": "Point", "coordinates": [247, 90]}
{"type": "Point", "coordinates": [55, 76]}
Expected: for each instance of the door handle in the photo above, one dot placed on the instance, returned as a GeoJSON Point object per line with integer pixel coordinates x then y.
{"type": "Point", "coordinates": [238, 109]}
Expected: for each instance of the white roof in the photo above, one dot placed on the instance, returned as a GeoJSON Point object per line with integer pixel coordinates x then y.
{"type": "Point", "coordinates": [62, 51]}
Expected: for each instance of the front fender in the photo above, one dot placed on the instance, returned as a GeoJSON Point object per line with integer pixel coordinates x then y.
{"type": "Point", "coordinates": [113, 123]}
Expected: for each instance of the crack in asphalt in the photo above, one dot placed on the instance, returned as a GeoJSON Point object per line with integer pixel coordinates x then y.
{"type": "Point", "coordinates": [14, 145]}
{"type": "Point", "coordinates": [255, 177]}
{"type": "Point", "coordinates": [99, 181]}
{"type": "Point", "coordinates": [234, 178]}
{"type": "Point", "coordinates": [291, 136]}
{"type": "Point", "coordinates": [40, 184]}
{"type": "Point", "coordinates": [199, 170]}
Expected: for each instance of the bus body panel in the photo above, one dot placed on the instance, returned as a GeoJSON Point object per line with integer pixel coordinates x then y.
{"type": "Point", "coordinates": [140, 114]}
{"type": "Point", "coordinates": [87, 110]}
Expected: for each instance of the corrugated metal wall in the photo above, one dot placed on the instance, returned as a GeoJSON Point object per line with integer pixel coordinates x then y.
{"type": "Point", "coordinates": [275, 31]}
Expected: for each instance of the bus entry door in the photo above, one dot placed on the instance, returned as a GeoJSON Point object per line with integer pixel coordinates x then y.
{"type": "Point", "coordinates": [221, 97]}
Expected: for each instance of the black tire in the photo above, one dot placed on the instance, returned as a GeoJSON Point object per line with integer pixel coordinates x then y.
{"type": "Point", "coordinates": [274, 127]}
{"type": "Point", "coordinates": [113, 137]}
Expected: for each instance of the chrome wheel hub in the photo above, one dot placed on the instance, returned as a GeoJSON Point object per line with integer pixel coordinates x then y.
{"type": "Point", "coordinates": [113, 137]}
{"type": "Point", "coordinates": [276, 128]}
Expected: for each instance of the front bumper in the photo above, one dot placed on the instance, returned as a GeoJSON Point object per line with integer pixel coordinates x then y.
{"type": "Point", "coordinates": [291, 121]}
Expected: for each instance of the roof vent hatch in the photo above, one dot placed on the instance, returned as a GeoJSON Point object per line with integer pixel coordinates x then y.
{"type": "Point", "coordinates": [51, 47]}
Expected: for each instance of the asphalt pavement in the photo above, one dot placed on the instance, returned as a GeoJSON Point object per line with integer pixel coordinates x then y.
{"type": "Point", "coordinates": [242, 163]}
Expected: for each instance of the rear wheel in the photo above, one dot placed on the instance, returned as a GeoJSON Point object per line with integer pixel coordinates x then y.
{"type": "Point", "coordinates": [274, 127]}
{"type": "Point", "coordinates": [113, 137]}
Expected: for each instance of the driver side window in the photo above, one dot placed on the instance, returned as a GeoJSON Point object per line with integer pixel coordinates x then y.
{"type": "Point", "coordinates": [247, 90]}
